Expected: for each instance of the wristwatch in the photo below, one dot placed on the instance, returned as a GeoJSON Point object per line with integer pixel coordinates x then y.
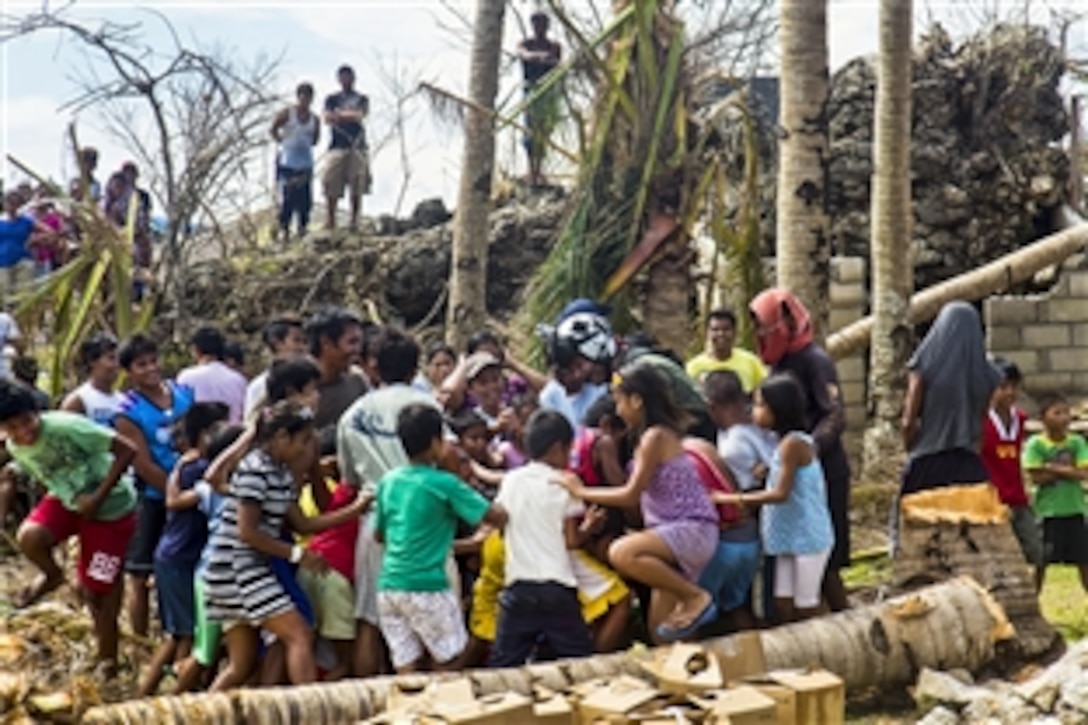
{"type": "Point", "coordinates": [296, 554]}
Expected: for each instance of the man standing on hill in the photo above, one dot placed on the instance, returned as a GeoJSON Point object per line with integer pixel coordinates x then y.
{"type": "Point", "coordinates": [347, 164]}
{"type": "Point", "coordinates": [297, 130]}
{"type": "Point", "coordinates": [539, 55]}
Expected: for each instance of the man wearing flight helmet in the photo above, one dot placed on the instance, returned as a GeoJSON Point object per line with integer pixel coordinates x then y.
{"type": "Point", "coordinates": [580, 344]}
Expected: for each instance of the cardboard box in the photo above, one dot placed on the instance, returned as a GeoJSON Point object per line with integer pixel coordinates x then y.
{"type": "Point", "coordinates": [685, 669]}
{"type": "Point", "coordinates": [553, 710]}
{"type": "Point", "coordinates": [785, 699]}
{"type": "Point", "coordinates": [740, 656]}
{"type": "Point", "coordinates": [453, 702]}
{"type": "Point", "coordinates": [740, 705]}
{"type": "Point", "coordinates": [819, 696]}
{"type": "Point", "coordinates": [509, 708]}
{"type": "Point", "coordinates": [611, 701]}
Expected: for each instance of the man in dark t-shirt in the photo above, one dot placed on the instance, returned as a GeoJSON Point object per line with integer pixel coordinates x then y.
{"type": "Point", "coordinates": [539, 54]}
{"type": "Point", "coordinates": [347, 165]}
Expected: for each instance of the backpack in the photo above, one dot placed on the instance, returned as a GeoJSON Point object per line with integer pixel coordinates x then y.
{"type": "Point", "coordinates": [714, 480]}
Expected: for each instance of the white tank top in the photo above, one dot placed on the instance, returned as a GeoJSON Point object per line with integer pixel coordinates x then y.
{"type": "Point", "coordinates": [98, 406]}
{"type": "Point", "coordinates": [297, 147]}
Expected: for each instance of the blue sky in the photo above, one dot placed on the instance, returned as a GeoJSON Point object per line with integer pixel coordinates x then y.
{"type": "Point", "coordinates": [314, 38]}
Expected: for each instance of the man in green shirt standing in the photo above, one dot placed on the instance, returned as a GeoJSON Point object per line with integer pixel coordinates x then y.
{"type": "Point", "coordinates": [81, 465]}
{"type": "Point", "coordinates": [418, 506]}
{"type": "Point", "coordinates": [1057, 462]}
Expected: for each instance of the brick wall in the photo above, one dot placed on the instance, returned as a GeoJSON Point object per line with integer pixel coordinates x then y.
{"type": "Point", "coordinates": [1046, 335]}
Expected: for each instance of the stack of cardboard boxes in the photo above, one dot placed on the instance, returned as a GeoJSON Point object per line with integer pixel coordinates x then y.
{"type": "Point", "coordinates": [683, 684]}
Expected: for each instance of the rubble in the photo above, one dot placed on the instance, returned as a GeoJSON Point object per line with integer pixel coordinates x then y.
{"type": "Point", "coordinates": [400, 276]}
{"type": "Point", "coordinates": [1057, 694]}
{"type": "Point", "coordinates": [986, 161]}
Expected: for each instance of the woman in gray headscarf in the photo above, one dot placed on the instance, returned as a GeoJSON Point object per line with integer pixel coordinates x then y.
{"type": "Point", "coordinates": [948, 392]}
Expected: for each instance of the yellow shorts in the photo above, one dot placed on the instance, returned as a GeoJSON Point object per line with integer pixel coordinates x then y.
{"type": "Point", "coordinates": [599, 588]}
{"type": "Point", "coordinates": [344, 168]}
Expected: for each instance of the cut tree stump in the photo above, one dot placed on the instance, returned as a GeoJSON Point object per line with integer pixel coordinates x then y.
{"type": "Point", "coordinates": [965, 531]}
{"type": "Point", "coordinates": [953, 625]}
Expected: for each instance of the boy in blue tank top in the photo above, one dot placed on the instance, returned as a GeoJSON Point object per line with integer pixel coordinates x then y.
{"type": "Point", "coordinates": [149, 412]}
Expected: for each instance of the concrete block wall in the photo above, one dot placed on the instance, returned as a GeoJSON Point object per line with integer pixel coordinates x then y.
{"type": "Point", "coordinates": [1046, 335]}
{"type": "Point", "coordinates": [849, 303]}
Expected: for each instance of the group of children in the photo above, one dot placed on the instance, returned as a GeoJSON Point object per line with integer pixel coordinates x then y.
{"type": "Point", "coordinates": [1051, 527]}
{"type": "Point", "coordinates": [463, 524]}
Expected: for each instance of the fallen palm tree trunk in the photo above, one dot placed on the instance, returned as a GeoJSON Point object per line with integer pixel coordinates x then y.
{"type": "Point", "coordinates": [997, 276]}
{"type": "Point", "coordinates": [956, 624]}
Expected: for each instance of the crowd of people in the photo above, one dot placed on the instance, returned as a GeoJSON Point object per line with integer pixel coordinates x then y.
{"type": "Point", "coordinates": [365, 506]}
{"type": "Point", "coordinates": [38, 232]}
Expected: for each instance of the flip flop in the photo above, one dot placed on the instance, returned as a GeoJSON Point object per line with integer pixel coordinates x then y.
{"type": "Point", "coordinates": [675, 634]}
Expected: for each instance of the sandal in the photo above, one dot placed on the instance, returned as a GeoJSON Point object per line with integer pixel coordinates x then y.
{"type": "Point", "coordinates": [674, 634]}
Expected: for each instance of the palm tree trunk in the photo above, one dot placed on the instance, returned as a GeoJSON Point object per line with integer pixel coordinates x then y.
{"type": "Point", "coordinates": [991, 278]}
{"type": "Point", "coordinates": [802, 235]}
{"type": "Point", "coordinates": [666, 309]}
{"type": "Point", "coordinates": [467, 306]}
{"type": "Point", "coordinates": [893, 266]}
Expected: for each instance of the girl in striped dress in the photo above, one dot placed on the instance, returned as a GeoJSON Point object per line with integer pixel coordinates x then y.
{"type": "Point", "coordinates": [241, 590]}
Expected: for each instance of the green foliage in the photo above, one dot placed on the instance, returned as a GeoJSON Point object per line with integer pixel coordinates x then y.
{"type": "Point", "coordinates": [645, 156]}
{"type": "Point", "coordinates": [91, 293]}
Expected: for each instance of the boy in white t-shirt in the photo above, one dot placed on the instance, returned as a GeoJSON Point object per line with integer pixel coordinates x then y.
{"type": "Point", "coordinates": [539, 603]}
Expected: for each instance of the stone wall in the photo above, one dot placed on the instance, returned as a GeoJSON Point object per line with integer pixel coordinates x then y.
{"type": "Point", "coordinates": [1045, 335]}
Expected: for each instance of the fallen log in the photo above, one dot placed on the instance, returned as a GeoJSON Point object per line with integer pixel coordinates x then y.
{"type": "Point", "coordinates": [996, 276]}
{"type": "Point", "coordinates": [956, 624]}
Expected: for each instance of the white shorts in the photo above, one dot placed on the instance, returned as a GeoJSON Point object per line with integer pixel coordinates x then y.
{"type": "Point", "coordinates": [800, 577]}
{"type": "Point", "coordinates": [412, 621]}
{"type": "Point", "coordinates": [368, 565]}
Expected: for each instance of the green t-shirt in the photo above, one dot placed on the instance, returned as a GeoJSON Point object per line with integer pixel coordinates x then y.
{"type": "Point", "coordinates": [1061, 498]}
{"type": "Point", "coordinates": [417, 512]}
{"type": "Point", "coordinates": [70, 458]}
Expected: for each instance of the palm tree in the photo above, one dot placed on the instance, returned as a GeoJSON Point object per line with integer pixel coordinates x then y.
{"type": "Point", "coordinates": [803, 243]}
{"type": "Point", "coordinates": [892, 217]}
{"type": "Point", "coordinates": [650, 173]}
{"type": "Point", "coordinates": [467, 309]}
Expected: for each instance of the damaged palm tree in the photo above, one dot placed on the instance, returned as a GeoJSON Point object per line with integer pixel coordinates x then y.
{"type": "Point", "coordinates": [880, 646]}
{"type": "Point", "coordinates": [92, 292]}
{"type": "Point", "coordinates": [652, 174]}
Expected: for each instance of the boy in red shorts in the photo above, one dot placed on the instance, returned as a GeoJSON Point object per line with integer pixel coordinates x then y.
{"type": "Point", "coordinates": [81, 464]}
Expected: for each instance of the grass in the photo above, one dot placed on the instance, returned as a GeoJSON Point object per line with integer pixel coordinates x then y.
{"type": "Point", "coordinates": [1064, 602]}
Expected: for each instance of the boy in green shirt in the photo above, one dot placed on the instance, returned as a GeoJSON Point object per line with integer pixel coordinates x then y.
{"type": "Point", "coordinates": [1057, 462]}
{"type": "Point", "coordinates": [80, 463]}
{"type": "Point", "coordinates": [418, 506]}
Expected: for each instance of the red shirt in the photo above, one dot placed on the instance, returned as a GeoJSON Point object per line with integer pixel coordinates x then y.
{"type": "Point", "coordinates": [1001, 455]}
{"type": "Point", "coordinates": [337, 545]}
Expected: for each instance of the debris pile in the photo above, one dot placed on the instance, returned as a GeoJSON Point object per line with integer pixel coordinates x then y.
{"type": "Point", "coordinates": [987, 166]}
{"type": "Point", "coordinates": [47, 665]}
{"type": "Point", "coordinates": [398, 269]}
{"type": "Point", "coordinates": [1056, 694]}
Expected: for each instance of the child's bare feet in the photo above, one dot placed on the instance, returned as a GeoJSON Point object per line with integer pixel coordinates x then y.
{"type": "Point", "coordinates": [30, 594]}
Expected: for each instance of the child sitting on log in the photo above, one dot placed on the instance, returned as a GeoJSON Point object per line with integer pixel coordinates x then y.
{"type": "Point", "coordinates": [1002, 445]}
{"type": "Point", "coordinates": [1057, 461]}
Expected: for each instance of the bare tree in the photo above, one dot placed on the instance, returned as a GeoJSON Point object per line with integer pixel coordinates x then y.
{"type": "Point", "coordinates": [195, 118]}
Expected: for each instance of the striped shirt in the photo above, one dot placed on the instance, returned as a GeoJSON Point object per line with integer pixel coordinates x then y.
{"type": "Point", "coordinates": [240, 583]}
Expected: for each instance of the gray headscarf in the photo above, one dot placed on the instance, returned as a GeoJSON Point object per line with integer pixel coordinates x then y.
{"type": "Point", "coordinates": [958, 380]}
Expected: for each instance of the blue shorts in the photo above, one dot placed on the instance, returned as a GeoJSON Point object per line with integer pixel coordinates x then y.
{"type": "Point", "coordinates": [285, 574]}
{"type": "Point", "coordinates": [174, 586]}
{"type": "Point", "coordinates": [729, 574]}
